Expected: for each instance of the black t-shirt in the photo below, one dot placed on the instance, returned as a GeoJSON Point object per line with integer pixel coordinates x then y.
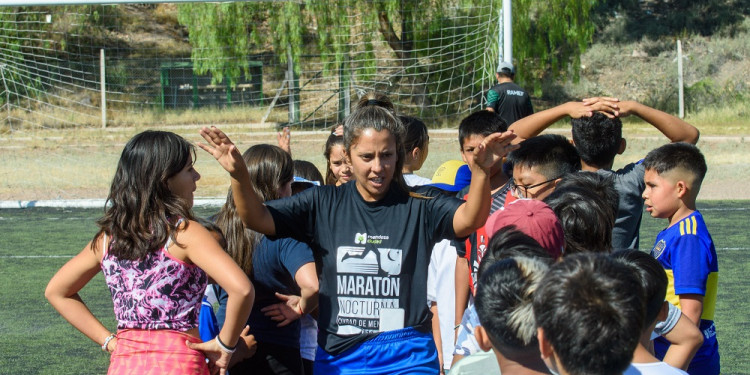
{"type": "Point", "coordinates": [373, 256]}
{"type": "Point", "coordinates": [510, 102]}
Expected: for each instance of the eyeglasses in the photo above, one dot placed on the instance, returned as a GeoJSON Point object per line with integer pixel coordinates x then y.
{"type": "Point", "coordinates": [522, 191]}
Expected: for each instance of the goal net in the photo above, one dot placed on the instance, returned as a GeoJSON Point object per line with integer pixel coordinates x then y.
{"type": "Point", "coordinates": [264, 63]}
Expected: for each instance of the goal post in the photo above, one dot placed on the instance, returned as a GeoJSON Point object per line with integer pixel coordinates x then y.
{"type": "Point", "coordinates": [435, 65]}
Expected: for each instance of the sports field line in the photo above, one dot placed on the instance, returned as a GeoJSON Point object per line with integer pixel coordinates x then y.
{"type": "Point", "coordinates": [70, 256]}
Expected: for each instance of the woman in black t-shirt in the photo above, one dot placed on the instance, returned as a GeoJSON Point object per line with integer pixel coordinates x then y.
{"type": "Point", "coordinates": [371, 240]}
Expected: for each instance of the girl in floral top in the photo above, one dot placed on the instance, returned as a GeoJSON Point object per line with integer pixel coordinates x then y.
{"type": "Point", "coordinates": [156, 261]}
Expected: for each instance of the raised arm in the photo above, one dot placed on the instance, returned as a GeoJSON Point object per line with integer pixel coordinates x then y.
{"type": "Point", "coordinates": [672, 127]}
{"type": "Point", "coordinates": [533, 125]}
{"type": "Point", "coordinates": [472, 214]}
{"type": "Point", "coordinates": [250, 207]}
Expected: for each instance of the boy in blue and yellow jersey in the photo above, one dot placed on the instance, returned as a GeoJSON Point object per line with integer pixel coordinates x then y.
{"type": "Point", "coordinates": [673, 177]}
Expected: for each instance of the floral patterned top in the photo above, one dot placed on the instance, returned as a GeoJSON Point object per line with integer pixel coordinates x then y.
{"type": "Point", "coordinates": [157, 292]}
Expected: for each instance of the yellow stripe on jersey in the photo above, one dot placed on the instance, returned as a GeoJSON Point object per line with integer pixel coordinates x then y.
{"type": "Point", "coordinates": [709, 301]}
{"type": "Point", "coordinates": [682, 228]}
{"type": "Point", "coordinates": [671, 297]}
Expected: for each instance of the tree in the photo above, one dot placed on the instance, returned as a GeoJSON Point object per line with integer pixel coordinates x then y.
{"type": "Point", "coordinates": [549, 35]}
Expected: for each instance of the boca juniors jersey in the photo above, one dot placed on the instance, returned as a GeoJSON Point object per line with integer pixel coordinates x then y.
{"type": "Point", "coordinates": [687, 253]}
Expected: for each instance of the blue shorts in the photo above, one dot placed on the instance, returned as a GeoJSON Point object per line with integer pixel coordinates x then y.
{"type": "Point", "coordinates": [403, 351]}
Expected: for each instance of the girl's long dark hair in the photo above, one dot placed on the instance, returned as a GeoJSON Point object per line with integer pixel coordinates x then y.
{"type": "Point", "coordinates": [270, 168]}
{"type": "Point", "coordinates": [141, 212]}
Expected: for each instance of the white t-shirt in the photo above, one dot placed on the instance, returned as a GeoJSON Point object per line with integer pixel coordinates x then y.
{"type": "Point", "coordinates": [653, 368]}
{"type": "Point", "coordinates": [441, 289]}
{"type": "Point", "coordinates": [414, 180]}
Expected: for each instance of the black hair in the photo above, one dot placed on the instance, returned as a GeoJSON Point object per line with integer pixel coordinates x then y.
{"type": "Point", "coordinates": [141, 211]}
{"type": "Point", "coordinates": [678, 155]}
{"type": "Point", "coordinates": [591, 310]}
{"type": "Point", "coordinates": [597, 138]}
{"type": "Point", "coordinates": [586, 220]}
{"type": "Point", "coordinates": [505, 293]}
{"type": "Point", "coordinates": [551, 154]}
{"type": "Point", "coordinates": [652, 276]}
{"type": "Point", "coordinates": [508, 242]}
{"type": "Point", "coordinates": [308, 171]}
{"type": "Point", "coordinates": [603, 186]}
{"type": "Point", "coordinates": [416, 133]}
{"type": "Point", "coordinates": [481, 123]}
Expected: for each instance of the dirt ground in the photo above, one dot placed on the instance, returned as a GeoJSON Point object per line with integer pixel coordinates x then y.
{"type": "Point", "coordinates": [79, 164]}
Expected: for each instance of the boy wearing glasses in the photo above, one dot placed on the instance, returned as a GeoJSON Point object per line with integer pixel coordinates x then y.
{"type": "Point", "coordinates": [540, 163]}
{"type": "Point", "coordinates": [597, 135]}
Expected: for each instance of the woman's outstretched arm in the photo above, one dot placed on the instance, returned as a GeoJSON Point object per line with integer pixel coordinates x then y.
{"type": "Point", "coordinates": [250, 207]}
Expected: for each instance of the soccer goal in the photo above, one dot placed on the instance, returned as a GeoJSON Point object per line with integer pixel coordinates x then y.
{"type": "Point", "coordinates": [262, 63]}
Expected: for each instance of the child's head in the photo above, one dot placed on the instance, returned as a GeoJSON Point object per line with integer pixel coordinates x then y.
{"type": "Point", "coordinates": [154, 183]}
{"type": "Point", "coordinates": [271, 171]}
{"type": "Point", "coordinates": [653, 279]}
{"type": "Point", "coordinates": [674, 173]}
{"type": "Point", "coordinates": [598, 139]}
{"type": "Point", "coordinates": [603, 186]}
{"type": "Point", "coordinates": [416, 142]}
{"type": "Point", "coordinates": [474, 128]}
{"type": "Point", "coordinates": [534, 218]}
{"type": "Point", "coordinates": [589, 311]}
{"type": "Point", "coordinates": [505, 293]}
{"type": "Point", "coordinates": [308, 171]}
{"type": "Point", "coordinates": [510, 242]}
{"type": "Point", "coordinates": [540, 162]}
{"type": "Point", "coordinates": [373, 138]}
{"type": "Point", "coordinates": [586, 220]}
{"type": "Point", "coordinates": [338, 170]}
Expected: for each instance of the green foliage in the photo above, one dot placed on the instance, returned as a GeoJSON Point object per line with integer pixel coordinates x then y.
{"type": "Point", "coordinates": [549, 36]}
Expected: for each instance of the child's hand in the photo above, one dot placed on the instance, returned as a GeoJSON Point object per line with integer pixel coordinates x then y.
{"type": "Point", "coordinates": [246, 347]}
{"type": "Point", "coordinates": [586, 108]}
{"type": "Point", "coordinates": [626, 108]}
{"type": "Point", "coordinates": [284, 137]}
{"type": "Point", "coordinates": [493, 148]}
{"type": "Point", "coordinates": [285, 312]}
{"type": "Point", "coordinates": [222, 148]}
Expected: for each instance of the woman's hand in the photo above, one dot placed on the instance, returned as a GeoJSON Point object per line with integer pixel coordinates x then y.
{"type": "Point", "coordinates": [221, 147]}
{"type": "Point", "coordinates": [285, 312]}
{"type": "Point", "coordinates": [493, 148]}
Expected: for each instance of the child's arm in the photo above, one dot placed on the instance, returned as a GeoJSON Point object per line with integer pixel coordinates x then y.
{"type": "Point", "coordinates": [436, 335]}
{"type": "Point", "coordinates": [685, 339]}
{"type": "Point", "coordinates": [202, 250]}
{"type": "Point", "coordinates": [672, 127]}
{"type": "Point", "coordinates": [250, 207]}
{"type": "Point", "coordinates": [62, 294]}
{"type": "Point", "coordinates": [532, 125]}
{"type": "Point", "coordinates": [472, 214]}
{"type": "Point", "coordinates": [692, 306]}
{"type": "Point", "coordinates": [463, 290]}
{"type": "Point", "coordinates": [292, 307]}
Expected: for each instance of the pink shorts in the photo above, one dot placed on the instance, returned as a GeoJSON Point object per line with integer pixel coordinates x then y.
{"type": "Point", "coordinates": [160, 352]}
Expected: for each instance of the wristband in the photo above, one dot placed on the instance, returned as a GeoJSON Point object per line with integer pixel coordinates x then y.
{"type": "Point", "coordinates": [106, 342]}
{"type": "Point", "coordinates": [224, 348]}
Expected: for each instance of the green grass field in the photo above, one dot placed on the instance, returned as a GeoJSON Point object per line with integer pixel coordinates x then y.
{"type": "Point", "coordinates": [34, 243]}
